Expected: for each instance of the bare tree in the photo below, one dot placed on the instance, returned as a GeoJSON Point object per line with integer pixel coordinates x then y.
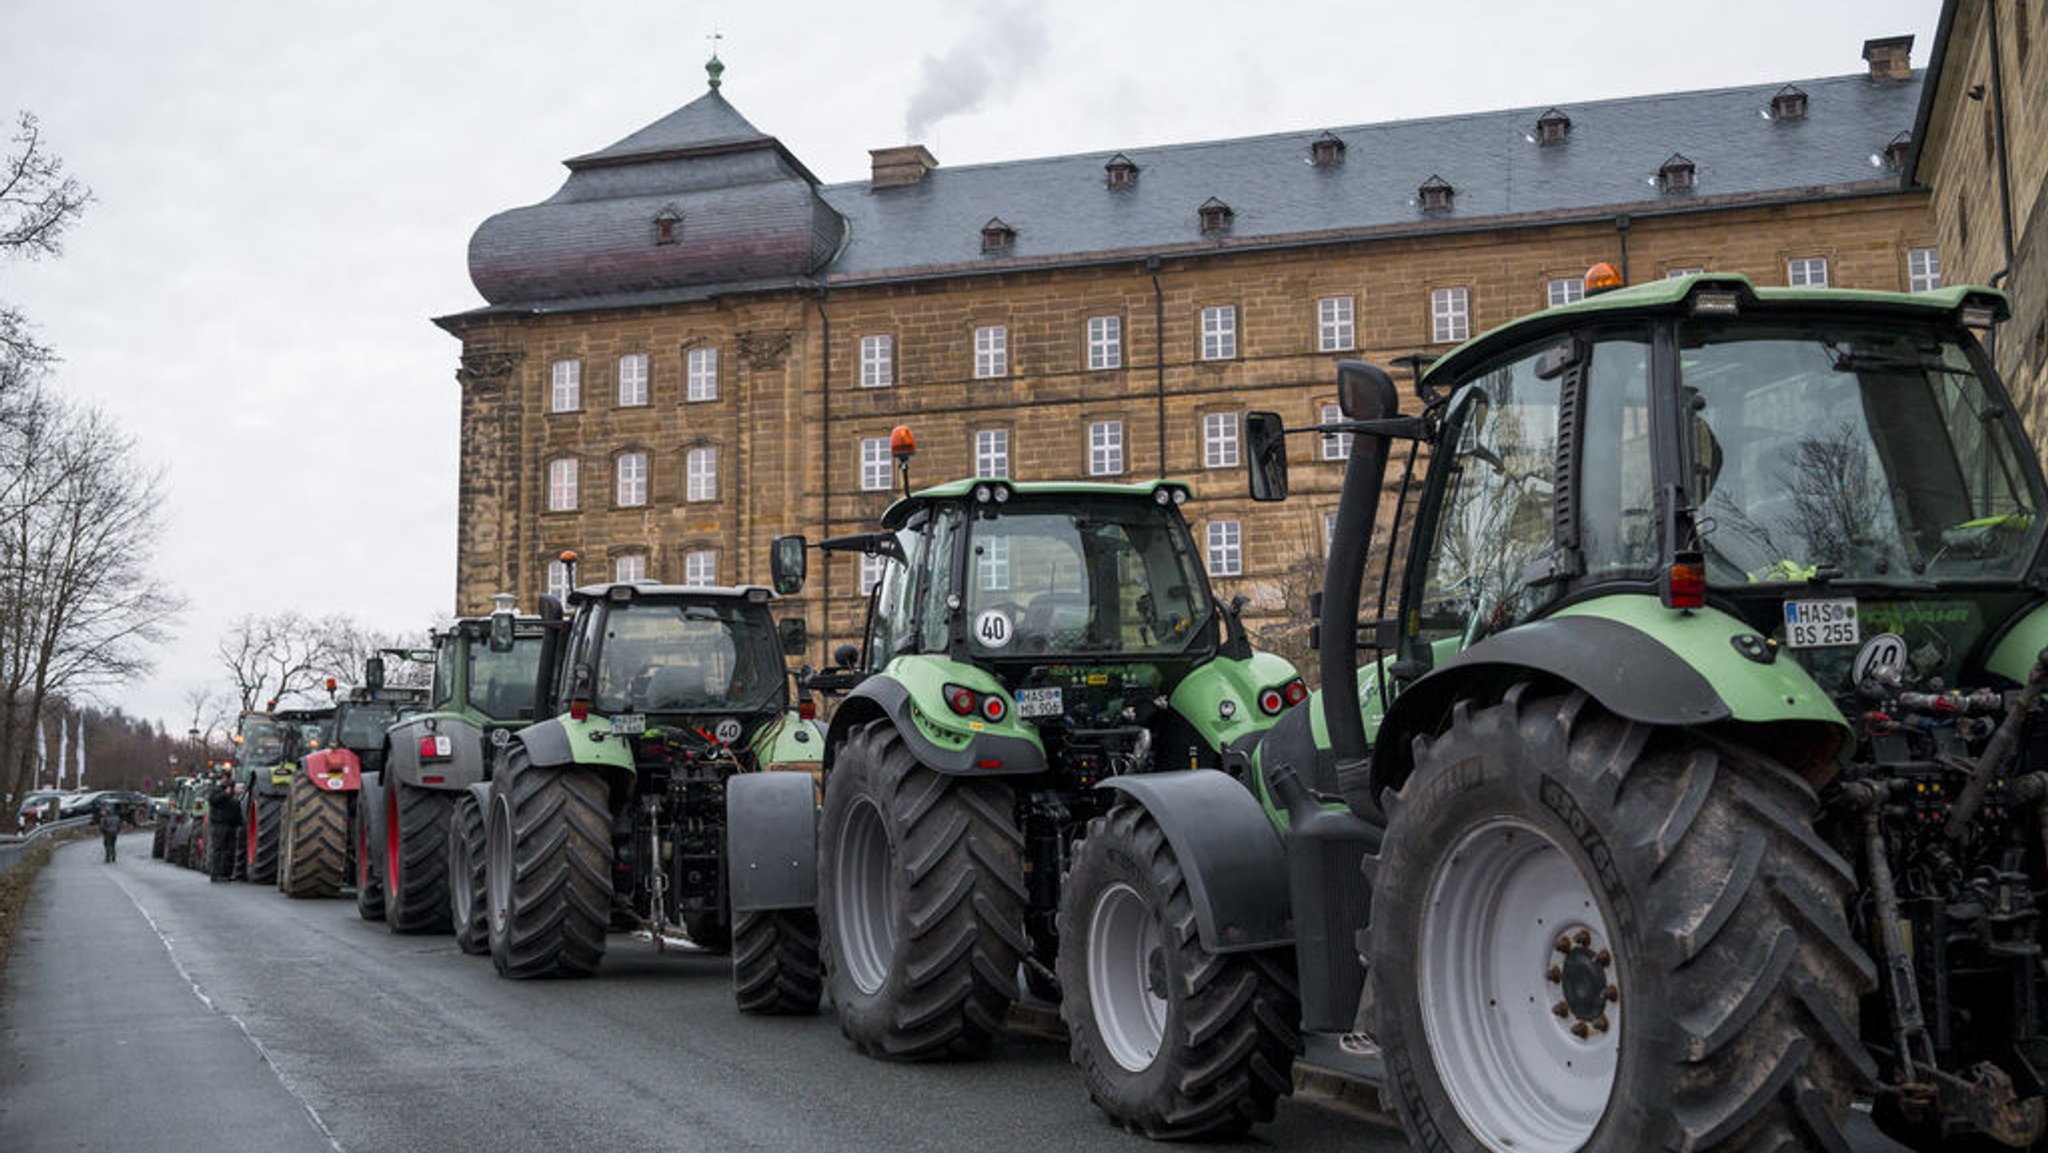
{"type": "Point", "coordinates": [79, 604]}
{"type": "Point", "coordinates": [38, 204]}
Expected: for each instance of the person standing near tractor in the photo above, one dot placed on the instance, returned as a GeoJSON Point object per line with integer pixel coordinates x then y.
{"type": "Point", "coordinates": [110, 828]}
{"type": "Point", "coordinates": [223, 832]}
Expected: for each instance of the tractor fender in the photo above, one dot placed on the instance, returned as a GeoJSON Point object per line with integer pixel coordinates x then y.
{"type": "Point", "coordinates": [370, 811]}
{"type": "Point", "coordinates": [789, 742]}
{"type": "Point", "coordinates": [1220, 699]}
{"type": "Point", "coordinates": [561, 741]}
{"type": "Point", "coordinates": [1227, 845]}
{"type": "Point", "coordinates": [984, 753]}
{"type": "Point", "coordinates": [463, 767]}
{"type": "Point", "coordinates": [771, 840]}
{"type": "Point", "coordinates": [1639, 660]}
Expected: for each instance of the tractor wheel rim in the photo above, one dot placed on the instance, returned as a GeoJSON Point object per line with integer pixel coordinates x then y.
{"type": "Point", "coordinates": [1520, 990]}
{"type": "Point", "coordinates": [462, 901]}
{"type": "Point", "coordinates": [866, 897]}
{"type": "Point", "coordinates": [1123, 952]}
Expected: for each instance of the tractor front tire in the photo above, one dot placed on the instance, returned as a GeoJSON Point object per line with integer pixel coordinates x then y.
{"type": "Point", "coordinates": [468, 905]}
{"type": "Point", "coordinates": [264, 816]}
{"type": "Point", "coordinates": [1593, 934]}
{"type": "Point", "coordinates": [775, 961]}
{"type": "Point", "coordinates": [315, 840]}
{"type": "Point", "coordinates": [548, 870]}
{"type": "Point", "coordinates": [921, 895]}
{"type": "Point", "coordinates": [416, 824]}
{"type": "Point", "coordinates": [158, 840]}
{"type": "Point", "coordinates": [1173, 1041]}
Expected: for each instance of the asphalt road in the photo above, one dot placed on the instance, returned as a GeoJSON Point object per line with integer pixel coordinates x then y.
{"type": "Point", "coordinates": [147, 1009]}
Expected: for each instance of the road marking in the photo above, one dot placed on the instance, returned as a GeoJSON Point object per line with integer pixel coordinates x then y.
{"type": "Point", "coordinates": [312, 1114]}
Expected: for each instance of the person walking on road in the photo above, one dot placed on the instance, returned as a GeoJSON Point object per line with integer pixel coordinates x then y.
{"type": "Point", "coordinates": [110, 828]}
{"type": "Point", "coordinates": [224, 831]}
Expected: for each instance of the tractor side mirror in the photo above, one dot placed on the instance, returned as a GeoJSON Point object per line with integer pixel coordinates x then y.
{"type": "Point", "coordinates": [1364, 391]}
{"type": "Point", "coordinates": [373, 673]}
{"type": "Point", "coordinates": [786, 561]}
{"type": "Point", "coordinates": [846, 656]}
{"type": "Point", "coordinates": [795, 635]}
{"type": "Point", "coordinates": [1266, 455]}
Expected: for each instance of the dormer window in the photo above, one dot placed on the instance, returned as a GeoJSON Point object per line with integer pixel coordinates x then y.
{"type": "Point", "coordinates": [1435, 195]}
{"type": "Point", "coordinates": [1122, 172]}
{"type": "Point", "coordinates": [1788, 104]}
{"type": "Point", "coordinates": [997, 237]}
{"type": "Point", "coordinates": [1675, 174]}
{"type": "Point", "coordinates": [1216, 216]}
{"type": "Point", "coordinates": [1553, 127]}
{"type": "Point", "coordinates": [668, 226]}
{"type": "Point", "coordinates": [1895, 152]}
{"type": "Point", "coordinates": [1326, 151]}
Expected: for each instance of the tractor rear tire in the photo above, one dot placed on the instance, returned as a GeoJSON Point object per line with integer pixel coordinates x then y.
{"type": "Point", "coordinates": [157, 841]}
{"type": "Point", "coordinates": [315, 847]}
{"type": "Point", "coordinates": [775, 961]}
{"type": "Point", "coordinates": [1173, 1041]}
{"type": "Point", "coordinates": [549, 866]}
{"type": "Point", "coordinates": [416, 858]}
{"type": "Point", "coordinates": [921, 897]}
{"type": "Point", "coordinates": [1599, 935]}
{"type": "Point", "coordinates": [264, 817]}
{"type": "Point", "coordinates": [468, 905]}
{"type": "Point", "coordinates": [369, 886]}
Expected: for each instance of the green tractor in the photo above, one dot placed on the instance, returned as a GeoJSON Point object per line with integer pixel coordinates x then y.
{"type": "Point", "coordinates": [1695, 798]}
{"type": "Point", "coordinates": [1025, 643]}
{"type": "Point", "coordinates": [323, 843]}
{"type": "Point", "coordinates": [268, 749]}
{"type": "Point", "coordinates": [612, 811]}
{"type": "Point", "coordinates": [421, 811]}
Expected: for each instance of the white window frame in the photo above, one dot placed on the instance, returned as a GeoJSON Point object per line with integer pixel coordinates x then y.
{"type": "Point", "coordinates": [700, 474]}
{"type": "Point", "coordinates": [877, 361]}
{"type": "Point", "coordinates": [558, 579]}
{"type": "Point", "coordinates": [1329, 532]}
{"type": "Point", "coordinates": [1807, 272]}
{"type": "Point", "coordinates": [567, 392]}
{"type": "Point", "coordinates": [630, 477]}
{"type": "Point", "coordinates": [703, 374]}
{"type": "Point", "coordinates": [991, 351]}
{"type": "Point", "coordinates": [1226, 548]}
{"type": "Point", "coordinates": [992, 452]}
{"type": "Point", "coordinates": [1923, 269]}
{"type": "Point", "coordinates": [631, 566]}
{"type": "Point", "coordinates": [1106, 448]}
{"type": "Point", "coordinates": [1335, 329]}
{"type": "Point", "coordinates": [1688, 270]}
{"type": "Point", "coordinates": [700, 568]}
{"type": "Point", "coordinates": [1450, 314]}
{"type": "Point", "coordinates": [1219, 440]}
{"type": "Point", "coordinates": [874, 464]}
{"type": "Point", "coordinates": [871, 571]}
{"type": "Point", "coordinates": [563, 479]}
{"type": "Point", "coordinates": [1219, 332]}
{"type": "Point", "coordinates": [1565, 290]}
{"type": "Point", "coordinates": [1105, 343]}
{"type": "Point", "coordinates": [992, 564]}
{"type": "Point", "coordinates": [1336, 445]}
{"type": "Point", "coordinates": [633, 380]}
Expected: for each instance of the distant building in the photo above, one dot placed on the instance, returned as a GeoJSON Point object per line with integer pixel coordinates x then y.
{"type": "Point", "coordinates": [695, 346]}
{"type": "Point", "coordinates": [1980, 142]}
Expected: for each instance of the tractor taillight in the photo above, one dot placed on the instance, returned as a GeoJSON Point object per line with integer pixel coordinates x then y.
{"type": "Point", "coordinates": [1297, 691]}
{"type": "Point", "coordinates": [436, 748]}
{"type": "Point", "coordinates": [807, 710]}
{"type": "Point", "coordinates": [1685, 582]}
{"type": "Point", "coordinates": [993, 708]}
{"type": "Point", "coordinates": [1271, 702]}
{"type": "Point", "coordinates": [961, 700]}
{"type": "Point", "coordinates": [579, 710]}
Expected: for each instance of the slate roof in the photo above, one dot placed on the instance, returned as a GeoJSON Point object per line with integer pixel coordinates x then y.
{"type": "Point", "coordinates": [771, 224]}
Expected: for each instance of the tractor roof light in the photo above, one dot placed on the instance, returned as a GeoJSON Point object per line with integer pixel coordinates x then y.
{"type": "Point", "coordinates": [983, 494]}
{"type": "Point", "coordinates": [619, 594]}
{"type": "Point", "coordinates": [902, 443]}
{"type": "Point", "coordinates": [1161, 496]}
{"type": "Point", "coordinates": [1978, 315]}
{"type": "Point", "coordinates": [1602, 278]}
{"type": "Point", "coordinates": [1002, 493]}
{"type": "Point", "coordinates": [1180, 496]}
{"type": "Point", "coordinates": [1716, 302]}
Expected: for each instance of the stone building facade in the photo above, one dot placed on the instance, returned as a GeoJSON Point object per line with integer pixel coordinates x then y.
{"type": "Point", "coordinates": [696, 346]}
{"type": "Point", "coordinates": [1982, 148]}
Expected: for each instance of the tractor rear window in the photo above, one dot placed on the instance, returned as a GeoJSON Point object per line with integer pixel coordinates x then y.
{"type": "Point", "coordinates": [502, 684]}
{"type": "Point", "coordinates": [709, 656]}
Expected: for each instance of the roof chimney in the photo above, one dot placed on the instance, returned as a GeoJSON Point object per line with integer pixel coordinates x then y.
{"type": "Point", "coordinates": [895, 167]}
{"type": "Point", "coordinates": [1890, 58]}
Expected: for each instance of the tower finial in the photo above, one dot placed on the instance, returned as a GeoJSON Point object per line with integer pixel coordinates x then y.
{"type": "Point", "coordinates": [713, 68]}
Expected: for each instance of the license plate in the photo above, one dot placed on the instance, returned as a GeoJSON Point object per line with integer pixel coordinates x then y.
{"type": "Point", "coordinates": [1038, 702]}
{"type": "Point", "coordinates": [1821, 624]}
{"type": "Point", "coordinates": [629, 724]}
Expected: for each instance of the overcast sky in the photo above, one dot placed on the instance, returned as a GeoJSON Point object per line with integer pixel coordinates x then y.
{"type": "Point", "coordinates": [285, 191]}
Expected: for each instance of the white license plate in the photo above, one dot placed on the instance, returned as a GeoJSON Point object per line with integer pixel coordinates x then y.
{"type": "Point", "coordinates": [1821, 624]}
{"type": "Point", "coordinates": [629, 724]}
{"type": "Point", "coordinates": [1038, 702]}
